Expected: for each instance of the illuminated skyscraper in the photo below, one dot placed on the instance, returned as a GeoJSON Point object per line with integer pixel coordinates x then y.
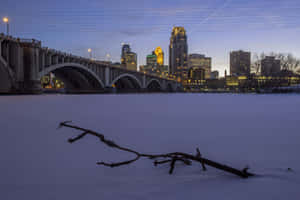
{"type": "Point", "coordinates": [152, 60]}
{"type": "Point", "coordinates": [240, 62]}
{"type": "Point", "coordinates": [128, 58]}
{"type": "Point", "coordinates": [151, 65]}
{"type": "Point", "coordinates": [200, 61]}
{"type": "Point", "coordinates": [155, 63]}
{"type": "Point", "coordinates": [160, 56]}
{"type": "Point", "coordinates": [178, 50]}
{"type": "Point", "coordinates": [131, 61]}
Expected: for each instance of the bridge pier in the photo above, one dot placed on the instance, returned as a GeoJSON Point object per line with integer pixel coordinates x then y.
{"type": "Point", "coordinates": [107, 77]}
{"type": "Point", "coordinates": [17, 65]}
{"type": "Point", "coordinates": [32, 83]}
{"type": "Point", "coordinates": [41, 60]}
{"type": "Point", "coordinates": [144, 81]}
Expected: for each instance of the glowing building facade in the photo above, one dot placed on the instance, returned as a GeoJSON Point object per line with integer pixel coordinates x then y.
{"type": "Point", "coordinates": [160, 56]}
{"type": "Point", "coordinates": [155, 63]}
{"type": "Point", "coordinates": [196, 73]}
{"type": "Point", "coordinates": [151, 60]}
{"type": "Point", "coordinates": [151, 65]}
{"type": "Point", "coordinates": [200, 61]}
{"type": "Point", "coordinates": [178, 50]}
{"type": "Point", "coordinates": [131, 61]}
{"type": "Point", "coordinates": [128, 58]}
{"type": "Point", "coordinates": [125, 49]}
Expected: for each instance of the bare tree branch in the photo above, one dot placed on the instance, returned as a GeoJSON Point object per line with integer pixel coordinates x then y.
{"type": "Point", "coordinates": [171, 158]}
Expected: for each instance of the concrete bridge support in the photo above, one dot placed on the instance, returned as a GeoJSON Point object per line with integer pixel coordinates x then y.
{"type": "Point", "coordinates": [32, 83]}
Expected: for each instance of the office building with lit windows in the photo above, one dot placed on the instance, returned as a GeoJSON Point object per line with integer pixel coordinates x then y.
{"type": "Point", "coordinates": [151, 60]}
{"type": "Point", "coordinates": [151, 64]}
{"type": "Point", "coordinates": [178, 53]}
{"type": "Point", "coordinates": [155, 63]}
{"type": "Point", "coordinates": [240, 62]}
{"type": "Point", "coordinates": [200, 61]}
{"type": "Point", "coordinates": [128, 58]}
{"type": "Point", "coordinates": [270, 66]}
{"type": "Point", "coordinates": [196, 73]}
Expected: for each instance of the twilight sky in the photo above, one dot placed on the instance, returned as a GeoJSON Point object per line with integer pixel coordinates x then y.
{"type": "Point", "coordinates": [214, 27]}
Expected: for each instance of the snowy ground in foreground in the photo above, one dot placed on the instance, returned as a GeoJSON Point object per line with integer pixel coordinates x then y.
{"type": "Point", "coordinates": [261, 131]}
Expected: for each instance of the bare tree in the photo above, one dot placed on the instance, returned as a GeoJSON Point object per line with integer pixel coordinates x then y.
{"type": "Point", "coordinates": [256, 64]}
{"type": "Point", "coordinates": [287, 61]}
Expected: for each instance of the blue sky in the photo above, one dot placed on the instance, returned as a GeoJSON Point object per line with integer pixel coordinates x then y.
{"type": "Point", "coordinates": [214, 27]}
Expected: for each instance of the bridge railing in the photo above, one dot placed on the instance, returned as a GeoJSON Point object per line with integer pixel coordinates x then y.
{"type": "Point", "coordinates": [21, 40]}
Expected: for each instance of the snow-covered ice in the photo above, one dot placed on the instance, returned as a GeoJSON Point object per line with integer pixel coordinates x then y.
{"type": "Point", "coordinates": [261, 131]}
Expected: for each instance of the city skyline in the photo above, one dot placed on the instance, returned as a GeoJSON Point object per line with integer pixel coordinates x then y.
{"type": "Point", "coordinates": [214, 28]}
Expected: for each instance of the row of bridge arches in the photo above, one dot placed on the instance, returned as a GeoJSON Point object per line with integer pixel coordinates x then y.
{"type": "Point", "coordinates": [79, 78]}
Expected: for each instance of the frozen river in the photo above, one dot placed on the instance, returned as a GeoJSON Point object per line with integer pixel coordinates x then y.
{"type": "Point", "coordinates": [261, 131]}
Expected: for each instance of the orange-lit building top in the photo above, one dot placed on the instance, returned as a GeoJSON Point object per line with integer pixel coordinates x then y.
{"type": "Point", "coordinates": [160, 56]}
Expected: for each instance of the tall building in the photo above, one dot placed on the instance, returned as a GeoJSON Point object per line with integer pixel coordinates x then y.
{"type": "Point", "coordinates": [200, 61]}
{"type": "Point", "coordinates": [131, 61]}
{"type": "Point", "coordinates": [240, 62]}
{"type": "Point", "coordinates": [128, 58]}
{"type": "Point", "coordinates": [125, 49]}
{"type": "Point", "coordinates": [159, 55]}
{"type": "Point", "coordinates": [155, 63]}
{"type": "Point", "coordinates": [178, 50]}
{"type": "Point", "coordinates": [270, 66]}
{"type": "Point", "coordinates": [151, 66]}
{"type": "Point", "coordinates": [151, 60]}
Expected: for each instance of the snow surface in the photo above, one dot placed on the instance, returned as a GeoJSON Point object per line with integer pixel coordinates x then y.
{"type": "Point", "coordinates": [261, 131]}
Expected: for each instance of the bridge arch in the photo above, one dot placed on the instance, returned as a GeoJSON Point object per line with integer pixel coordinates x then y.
{"type": "Point", "coordinates": [127, 82]}
{"type": "Point", "coordinates": [75, 76]}
{"type": "Point", "coordinates": [154, 80]}
{"type": "Point", "coordinates": [154, 85]}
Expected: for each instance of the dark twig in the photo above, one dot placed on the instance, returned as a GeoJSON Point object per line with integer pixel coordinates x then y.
{"type": "Point", "coordinates": [185, 161]}
{"type": "Point", "coordinates": [172, 165]}
{"type": "Point", "coordinates": [118, 164]}
{"type": "Point", "coordinates": [71, 140]}
{"type": "Point", "coordinates": [198, 155]}
{"type": "Point", "coordinates": [161, 162]}
{"type": "Point", "coordinates": [169, 157]}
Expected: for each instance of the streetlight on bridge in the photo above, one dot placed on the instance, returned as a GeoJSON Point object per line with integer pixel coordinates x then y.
{"type": "Point", "coordinates": [6, 21]}
{"type": "Point", "coordinates": [90, 52]}
{"type": "Point", "coordinates": [108, 57]}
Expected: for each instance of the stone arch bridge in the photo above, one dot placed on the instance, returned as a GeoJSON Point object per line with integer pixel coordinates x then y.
{"type": "Point", "coordinates": [24, 62]}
